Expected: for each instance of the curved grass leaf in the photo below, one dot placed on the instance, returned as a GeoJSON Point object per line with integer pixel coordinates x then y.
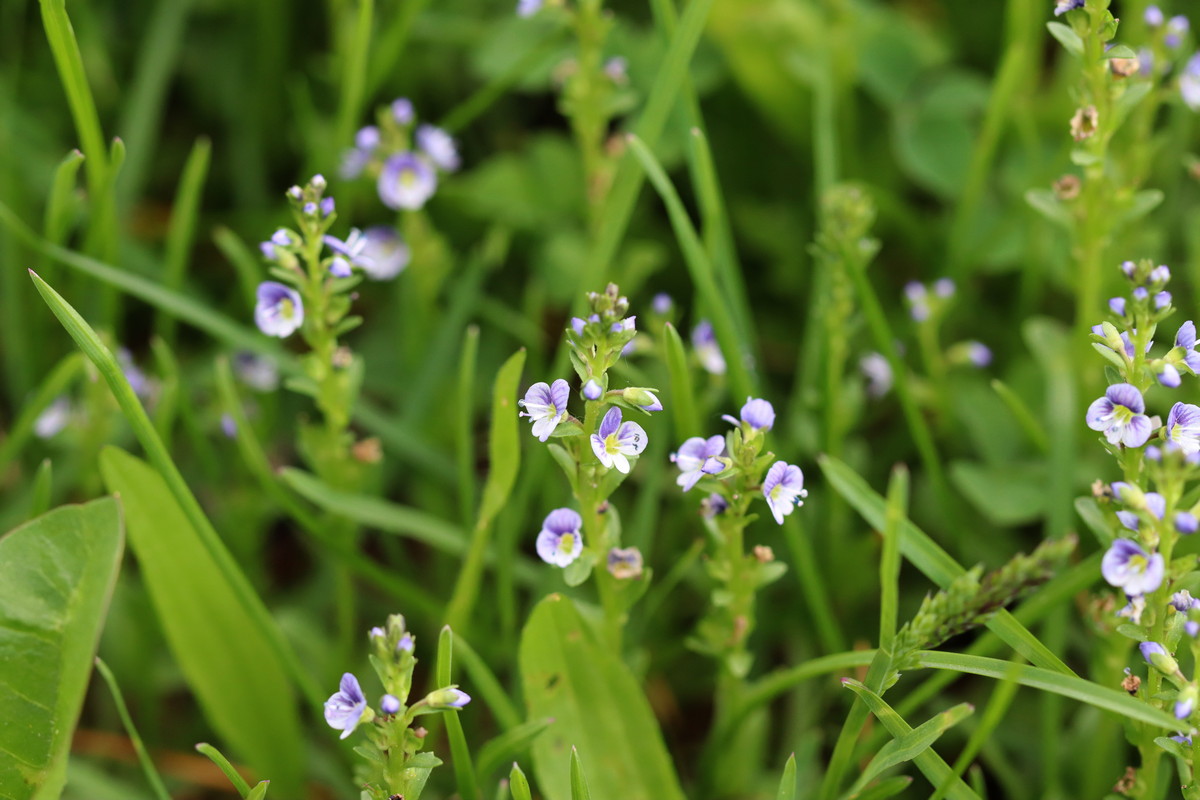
{"type": "Point", "coordinates": [135, 739]}
{"type": "Point", "coordinates": [238, 679]}
{"type": "Point", "coordinates": [56, 578]}
{"type": "Point", "coordinates": [910, 745]}
{"type": "Point", "coordinates": [597, 706]}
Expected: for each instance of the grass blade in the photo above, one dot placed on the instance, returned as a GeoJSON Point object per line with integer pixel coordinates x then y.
{"type": "Point", "coordinates": [460, 754]}
{"type": "Point", "coordinates": [508, 744]}
{"type": "Point", "coordinates": [152, 776]}
{"type": "Point", "coordinates": [889, 564]}
{"type": "Point", "coordinates": [222, 762]}
{"type": "Point", "coordinates": [40, 492]}
{"type": "Point", "coordinates": [62, 207]}
{"type": "Point", "coordinates": [182, 231]}
{"type": "Point", "coordinates": [787, 784]}
{"type": "Point", "coordinates": [909, 746]}
{"type": "Point", "coordinates": [683, 396]}
{"type": "Point", "coordinates": [579, 787]}
{"type": "Point", "coordinates": [56, 383]}
{"type": "Point", "coordinates": [518, 784]}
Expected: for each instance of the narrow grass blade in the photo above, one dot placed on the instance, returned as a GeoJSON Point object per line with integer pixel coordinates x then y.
{"type": "Point", "coordinates": [812, 584]}
{"type": "Point", "coordinates": [259, 792]}
{"type": "Point", "coordinates": [889, 787]}
{"type": "Point", "coordinates": [1028, 422]}
{"type": "Point", "coordinates": [787, 784]}
{"type": "Point", "coordinates": [518, 784]}
{"type": "Point", "coordinates": [152, 776]}
{"type": "Point", "coordinates": [928, 761]}
{"type": "Point", "coordinates": [355, 52]}
{"type": "Point", "coordinates": [57, 575]}
{"type": "Point", "coordinates": [683, 396]}
{"type": "Point", "coordinates": [507, 745]}
{"type": "Point", "coordinates": [40, 492]}
{"type": "Point", "coordinates": [182, 231]}
{"type": "Point", "coordinates": [504, 460]}
{"type": "Point", "coordinates": [91, 346]}
{"type": "Point", "coordinates": [486, 684]}
{"type": "Point", "coordinates": [56, 383]}
{"type": "Point", "coordinates": [700, 267]}
{"type": "Point", "coordinates": [910, 745]}
{"type": "Point", "coordinates": [62, 207]}
{"type": "Point", "coordinates": [933, 561]}
{"type": "Point", "coordinates": [1070, 686]}
{"type": "Point", "coordinates": [460, 754]}
{"type": "Point", "coordinates": [222, 762]}
{"type": "Point", "coordinates": [464, 438]}
{"type": "Point", "coordinates": [579, 787]}
{"type": "Point", "coordinates": [245, 262]}
{"type": "Point", "coordinates": [993, 714]}
{"type": "Point", "coordinates": [889, 565]}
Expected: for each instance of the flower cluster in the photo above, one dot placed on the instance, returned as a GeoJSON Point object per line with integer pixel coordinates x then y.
{"type": "Point", "coordinates": [393, 762]}
{"type": "Point", "coordinates": [591, 446]}
{"type": "Point", "coordinates": [403, 157]}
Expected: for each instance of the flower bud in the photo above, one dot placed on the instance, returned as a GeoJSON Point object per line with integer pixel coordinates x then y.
{"type": "Point", "coordinates": [450, 697]}
{"type": "Point", "coordinates": [1157, 656]}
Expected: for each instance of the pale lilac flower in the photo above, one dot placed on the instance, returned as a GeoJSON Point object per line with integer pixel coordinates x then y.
{"type": "Point", "coordinates": [228, 426]}
{"type": "Point", "coordinates": [1169, 376]}
{"type": "Point", "coordinates": [878, 371]}
{"type": "Point", "coordinates": [545, 405]}
{"type": "Point", "coordinates": [1129, 269]}
{"type": "Point", "coordinates": [1134, 609]}
{"type": "Point", "coordinates": [390, 704]}
{"type": "Point", "coordinates": [527, 8]}
{"type": "Point", "coordinates": [53, 419]}
{"type": "Point", "coordinates": [707, 350]}
{"type": "Point", "coordinates": [258, 372]}
{"type": "Point", "coordinates": [1192, 627]}
{"type": "Point", "coordinates": [561, 539]}
{"type": "Point", "coordinates": [1064, 6]}
{"type": "Point", "coordinates": [1151, 649]}
{"type": "Point", "coordinates": [1186, 338]}
{"type": "Point", "coordinates": [1160, 274]}
{"type": "Point", "coordinates": [402, 110]}
{"type": "Point", "coordinates": [1128, 567]}
{"type": "Point", "coordinates": [1119, 415]}
{"type": "Point", "coordinates": [345, 708]}
{"type": "Point", "coordinates": [616, 68]}
{"type": "Point", "coordinates": [406, 643]}
{"type": "Point", "coordinates": [696, 458]}
{"type": "Point", "coordinates": [1189, 83]}
{"type": "Point", "coordinates": [450, 697]}
{"type": "Point", "coordinates": [407, 181]}
{"type": "Point", "coordinates": [377, 633]}
{"type": "Point", "coordinates": [309, 209]}
{"type": "Point", "coordinates": [354, 161]}
{"type": "Point", "coordinates": [439, 146]}
{"type": "Point", "coordinates": [918, 300]}
{"type": "Point", "coordinates": [1162, 300]}
{"type": "Point", "coordinates": [385, 254]}
{"type": "Point", "coordinates": [1183, 601]}
{"type": "Point", "coordinates": [1154, 16]}
{"type": "Point", "coordinates": [625, 563]}
{"type": "Point", "coordinates": [1176, 28]}
{"type": "Point", "coordinates": [1140, 293]}
{"type": "Point", "coordinates": [662, 304]}
{"type": "Point", "coordinates": [347, 254]}
{"type": "Point", "coordinates": [655, 404]}
{"type": "Point", "coordinates": [137, 379]}
{"type": "Point", "coordinates": [279, 311]}
{"type": "Point", "coordinates": [592, 390]}
{"type": "Point", "coordinates": [1183, 427]}
{"type": "Point", "coordinates": [979, 354]}
{"type": "Point", "coordinates": [1185, 704]}
{"type": "Point", "coordinates": [1117, 306]}
{"type": "Point", "coordinates": [615, 441]}
{"type": "Point", "coordinates": [367, 138]}
{"type": "Point", "coordinates": [943, 288]}
{"type": "Point", "coordinates": [784, 489]}
{"type": "Point", "coordinates": [757, 413]}
{"type": "Point", "coordinates": [713, 505]}
{"type": "Point", "coordinates": [1186, 522]}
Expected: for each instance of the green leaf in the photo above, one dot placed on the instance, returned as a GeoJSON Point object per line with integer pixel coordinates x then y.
{"type": "Point", "coordinates": [579, 787]}
{"type": "Point", "coordinates": [1140, 205]}
{"type": "Point", "coordinates": [1067, 37]}
{"type": "Point", "coordinates": [518, 784]}
{"type": "Point", "coordinates": [787, 784]}
{"type": "Point", "coordinates": [508, 744]}
{"type": "Point", "coordinates": [929, 762]}
{"type": "Point", "coordinates": [222, 762]}
{"type": "Point", "coordinates": [464, 772]}
{"type": "Point", "coordinates": [1119, 51]}
{"type": "Point", "coordinates": [56, 579]}
{"type": "Point", "coordinates": [910, 745]}
{"type": "Point", "coordinates": [259, 791]}
{"type": "Point", "coordinates": [1070, 686]}
{"type": "Point", "coordinates": [1089, 511]}
{"type": "Point", "coordinates": [597, 706]}
{"type": "Point", "coordinates": [238, 678]}
{"type": "Point", "coordinates": [889, 787]}
{"type": "Point", "coordinates": [683, 395]}
{"type": "Point", "coordinates": [1048, 205]}
{"type": "Point", "coordinates": [182, 231]}
{"type": "Point", "coordinates": [135, 738]}
{"type": "Point", "coordinates": [932, 560]}
{"type": "Point", "coordinates": [62, 205]}
{"type": "Point", "coordinates": [569, 467]}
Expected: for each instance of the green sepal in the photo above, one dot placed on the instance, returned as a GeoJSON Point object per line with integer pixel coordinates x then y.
{"type": "Point", "coordinates": [580, 569]}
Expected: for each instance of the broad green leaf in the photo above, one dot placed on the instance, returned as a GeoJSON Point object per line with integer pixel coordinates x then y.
{"type": "Point", "coordinates": [928, 761]}
{"type": "Point", "coordinates": [932, 560]}
{"type": "Point", "coordinates": [1070, 686]}
{"type": "Point", "coordinates": [238, 678]}
{"type": "Point", "coordinates": [56, 578]}
{"type": "Point", "coordinates": [597, 706]}
{"type": "Point", "coordinates": [910, 745]}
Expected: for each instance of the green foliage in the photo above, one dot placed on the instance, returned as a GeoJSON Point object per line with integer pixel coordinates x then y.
{"type": "Point", "coordinates": [57, 575]}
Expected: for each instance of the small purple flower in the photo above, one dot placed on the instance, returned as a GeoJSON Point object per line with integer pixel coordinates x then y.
{"type": "Point", "coordinates": [625, 563]}
{"type": "Point", "coordinates": [784, 489]}
{"type": "Point", "coordinates": [377, 633]}
{"type": "Point", "coordinates": [918, 300]}
{"type": "Point", "coordinates": [1176, 28]}
{"type": "Point", "coordinates": [1168, 376]}
{"type": "Point", "coordinates": [592, 390]}
{"type": "Point", "coordinates": [662, 304]}
{"type": "Point", "coordinates": [1189, 83]}
{"type": "Point", "coordinates": [655, 404]}
{"type": "Point", "coordinates": [1186, 338]}
{"type": "Point", "coordinates": [228, 426]}
{"type": "Point", "coordinates": [449, 697]}
{"type": "Point", "coordinates": [390, 704]}
{"type": "Point", "coordinates": [1154, 16]}
{"type": "Point", "coordinates": [367, 138]}
{"type": "Point", "coordinates": [616, 68]}
{"type": "Point", "coordinates": [345, 708]}
{"type": "Point", "coordinates": [1150, 649]}
{"type": "Point", "coordinates": [1127, 566]}
{"type": "Point", "coordinates": [309, 209]}
{"type": "Point", "coordinates": [561, 539]}
{"type": "Point", "coordinates": [1183, 601]}
{"type": "Point", "coordinates": [354, 161]}
{"type": "Point", "coordinates": [943, 288]}
{"type": "Point", "coordinates": [406, 643]}
{"type": "Point", "coordinates": [279, 311]}
{"type": "Point", "coordinates": [1183, 427]}
{"type": "Point", "coordinates": [1186, 522]}
{"type": "Point", "coordinates": [1182, 739]}
{"type": "Point", "coordinates": [713, 505]}
{"type": "Point", "coordinates": [53, 419]}
{"type": "Point", "coordinates": [545, 405]}
{"type": "Point", "coordinates": [1186, 703]}
{"type": "Point", "coordinates": [385, 255]}
{"type": "Point", "coordinates": [1162, 300]}
{"type": "Point", "coordinates": [1140, 293]}
{"type": "Point", "coordinates": [615, 441]}
{"type": "Point", "coordinates": [1160, 274]}
{"type": "Point", "coordinates": [402, 110]}
{"type": "Point", "coordinates": [407, 181]}
{"type": "Point", "coordinates": [1119, 415]}
{"type": "Point", "coordinates": [707, 350]}
{"type": "Point", "coordinates": [696, 458]}
{"type": "Point", "coordinates": [979, 354]}
{"type": "Point", "coordinates": [259, 373]}
{"type": "Point", "coordinates": [439, 146]}
{"type": "Point", "coordinates": [758, 414]}
{"type": "Point", "coordinates": [878, 371]}
{"type": "Point", "coordinates": [527, 8]}
{"type": "Point", "coordinates": [346, 254]}
{"type": "Point", "coordinates": [1117, 306]}
{"type": "Point", "coordinates": [1129, 269]}
{"type": "Point", "coordinates": [1192, 627]}
{"type": "Point", "coordinates": [1064, 6]}
{"type": "Point", "coordinates": [327, 206]}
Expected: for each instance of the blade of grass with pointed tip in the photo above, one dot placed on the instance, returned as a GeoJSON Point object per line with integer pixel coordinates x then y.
{"type": "Point", "coordinates": [181, 233]}
{"type": "Point", "coordinates": [910, 745]}
{"type": "Point", "coordinates": [579, 786]}
{"type": "Point", "coordinates": [259, 791]}
{"type": "Point", "coordinates": [135, 739]}
{"type": "Point", "coordinates": [518, 784]}
{"type": "Point", "coordinates": [504, 747]}
{"type": "Point", "coordinates": [460, 754]}
{"type": "Point", "coordinates": [1024, 417]}
{"type": "Point", "coordinates": [928, 761]}
{"type": "Point", "coordinates": [239, 680]}
{"type": "Point", "coordinates": [597, 705]}
{"type": "Point", "coordinates": [701, 270]}
{"type": "Point", "coordinates": [504, 461]}
{"type": "Point", "coordinates": [464, 439]}
{"type": "Point", "coordinates": [889, 562]}
{"type": "Point", "coordinates": [787, 784]}
{"type": "Point", "coordinates": [354, 57]}
{"type": "Point", "coordinates": [40, 492]}
{"type": "Point", "coordinates": [62, 205]}
{"type": "Point", "coordinates": [683, 397]}
{"type": "Point", "coordinates": [57, 575]}
{"type": "Point", "coordinates": [218, 758]}
{"type": "Point", "coordinates": [933, 561]}
{"type": "Point", "coordinates": [245, 263]}
{"type": "Point", "coordinates": [1045, 680]}
{"type": "Point", "coordinates": [993, 714]}
{"type": "Point", "coordinates": [889, 787]}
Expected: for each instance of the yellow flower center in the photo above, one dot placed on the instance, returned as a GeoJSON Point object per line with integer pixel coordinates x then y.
{"type": "Point", "coordinates": [566, 542]}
